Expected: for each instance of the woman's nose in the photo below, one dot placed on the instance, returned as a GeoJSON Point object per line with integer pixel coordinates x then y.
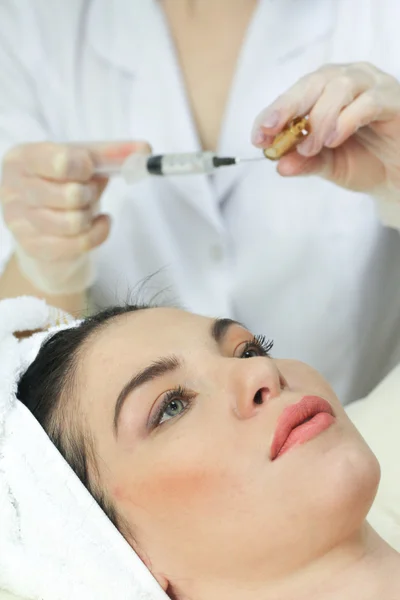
{"type": "Point", "coordinates": [255, 381]}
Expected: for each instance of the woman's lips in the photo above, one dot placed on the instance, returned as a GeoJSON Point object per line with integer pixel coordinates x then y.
{"type": "Point", "coordinates": [301, 422]}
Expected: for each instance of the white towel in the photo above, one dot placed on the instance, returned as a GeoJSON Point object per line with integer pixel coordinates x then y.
{"type": "Point", "coordinates": [55, 541]}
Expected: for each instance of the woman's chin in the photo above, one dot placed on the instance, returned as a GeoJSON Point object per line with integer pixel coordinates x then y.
{"type": "Point", "coordinates": [336, 481]}
{"type": "Point", "coordinates": [349, 485]}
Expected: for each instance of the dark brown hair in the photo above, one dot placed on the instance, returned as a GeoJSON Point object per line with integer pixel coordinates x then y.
{"type": "Point", "coordinates": [48, 389]}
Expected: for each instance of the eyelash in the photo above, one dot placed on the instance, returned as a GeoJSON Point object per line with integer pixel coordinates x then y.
{"type": "Point", "coordinates": [260, 342]}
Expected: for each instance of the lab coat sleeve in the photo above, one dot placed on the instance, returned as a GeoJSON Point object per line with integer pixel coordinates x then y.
{"type": "Point", "coordinates": [22, 69]}
{"type": "Point", "coordinates": [389, 213]}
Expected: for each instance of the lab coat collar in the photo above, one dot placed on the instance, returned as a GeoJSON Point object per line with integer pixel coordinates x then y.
{"type": "Point", "coordinates": [160, 111]}
{"type": "Point", "coordinates": [123, 33]}
{"type": "Point", "coordinates": [116, 30]}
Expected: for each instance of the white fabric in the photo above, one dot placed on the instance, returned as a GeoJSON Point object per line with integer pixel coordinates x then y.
{"type": "Point", "coordinates": [300, 260]}
{"type": "Point", "coordinates": [55, 541]}
{"type": "Point", "coordinates": [377, 417]}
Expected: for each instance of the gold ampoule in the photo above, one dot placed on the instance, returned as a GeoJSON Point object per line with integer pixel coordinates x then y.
{"type": "Point", "coordinates": [285, 141]}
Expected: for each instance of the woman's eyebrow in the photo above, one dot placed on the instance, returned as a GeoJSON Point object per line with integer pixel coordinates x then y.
{"type": "Point", "coordinates": [219, 328]}
{"type": "Point", "coordinates": [168, 364]}
{"type": "Point", "coordinates": [157, 369]}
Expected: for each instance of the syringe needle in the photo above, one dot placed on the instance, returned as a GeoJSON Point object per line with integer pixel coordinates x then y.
{"type": "Point", "coordinates": [226, 161]}
{"type": "Point", "coordinates": [238, 159]}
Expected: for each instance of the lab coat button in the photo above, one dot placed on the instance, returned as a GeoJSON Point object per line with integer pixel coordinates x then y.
{"type": "Point", "coordinates": [216, 252]}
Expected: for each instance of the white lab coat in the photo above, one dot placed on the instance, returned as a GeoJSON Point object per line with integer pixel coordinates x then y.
{"type": "Point", "coordinates": [300, 260]}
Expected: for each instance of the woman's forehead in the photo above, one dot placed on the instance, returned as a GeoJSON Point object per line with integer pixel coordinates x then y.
{"type": "Point", "coordinates": [131, 343]}
{"type": "Point", "coordinates": [161, 319]}
{"type": "Point", "coordinates": [136, 339]}
{"type": "Point", "coordinates": [149, 328]}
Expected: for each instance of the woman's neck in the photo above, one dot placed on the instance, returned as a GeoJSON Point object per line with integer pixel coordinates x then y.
{"type": "Point", "coordinates": [208, 36]}
{"type": "Point", "coordinates": [365, 568]}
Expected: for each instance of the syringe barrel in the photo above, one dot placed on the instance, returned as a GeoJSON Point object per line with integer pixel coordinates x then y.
{"type": "Point", "coordinates": [188, 163]}
{"type": "Point", "coordinates": [139, 166]}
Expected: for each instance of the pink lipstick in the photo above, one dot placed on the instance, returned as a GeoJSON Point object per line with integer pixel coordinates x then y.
{"type": "Point", "coordinates": [300, 423]}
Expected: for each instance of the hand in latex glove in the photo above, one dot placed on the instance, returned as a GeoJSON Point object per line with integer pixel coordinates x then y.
{"type": "Point", "coordinates": [50, 200]}
{"type": "Point", "coordinates": [354, 113]}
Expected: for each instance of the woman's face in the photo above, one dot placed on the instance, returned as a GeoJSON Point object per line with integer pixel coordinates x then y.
{"type": "Point", "coordinates": [183, 412]}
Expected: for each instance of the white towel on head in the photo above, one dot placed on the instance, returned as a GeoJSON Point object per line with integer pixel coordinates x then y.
{"type": "Point", "coordinates": [55, 541]}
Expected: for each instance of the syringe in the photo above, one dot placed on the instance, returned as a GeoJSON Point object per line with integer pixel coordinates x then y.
{"type": "Point", "coordinates": [140, 166]}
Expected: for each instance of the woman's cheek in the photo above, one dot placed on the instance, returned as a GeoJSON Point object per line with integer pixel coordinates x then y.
{"type": "Point", "coordinates": [168, 487]}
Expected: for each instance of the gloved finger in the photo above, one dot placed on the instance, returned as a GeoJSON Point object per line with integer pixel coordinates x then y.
{"type": "Point", "coordinates": [335, 166]}
{"type": "Point", "coordinates": [261, 139]}
{"type": "Point", "coordinates": [67, 162]}
{"type": "Point", "coordinates": [297, 101]}
{"type": "Point", "coordinates": [374, 105]}
{"type": "Point", "coordinates": [57, 162]}
{"type": "Point", "coordinates": [293, 164]}
{"type": "Point", "coordinates": [36, 193]}
{"type": "Point", "coordinates": [63, 222]}
{"type": "Point", "coordinates": [57, 248]}
{"type": "Point", "coordinates": [114, 153]}
{"type": "Point", "coordinates": [339, 93]}
{"type": "Point", "coordinates": [49, 221]}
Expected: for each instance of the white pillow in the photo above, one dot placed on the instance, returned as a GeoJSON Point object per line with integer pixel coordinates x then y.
{"type": "Point", "coordinates": [377, 417]}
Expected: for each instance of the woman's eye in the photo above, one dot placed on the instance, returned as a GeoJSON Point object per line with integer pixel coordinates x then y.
{"type": "Point", "coordinates": [173, 409]}
{"type": "Point", "coordinates": [175, 403]}
{"type": "Point", "coordinates": [258, 346]}
{"type": "Point", "coordinates": [251, 352]}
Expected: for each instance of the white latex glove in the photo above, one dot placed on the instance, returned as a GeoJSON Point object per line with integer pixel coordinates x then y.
{"type": "Point", "coordinates": [50, 201]}
{"type": "Point", "coordinates": [354, 113]}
